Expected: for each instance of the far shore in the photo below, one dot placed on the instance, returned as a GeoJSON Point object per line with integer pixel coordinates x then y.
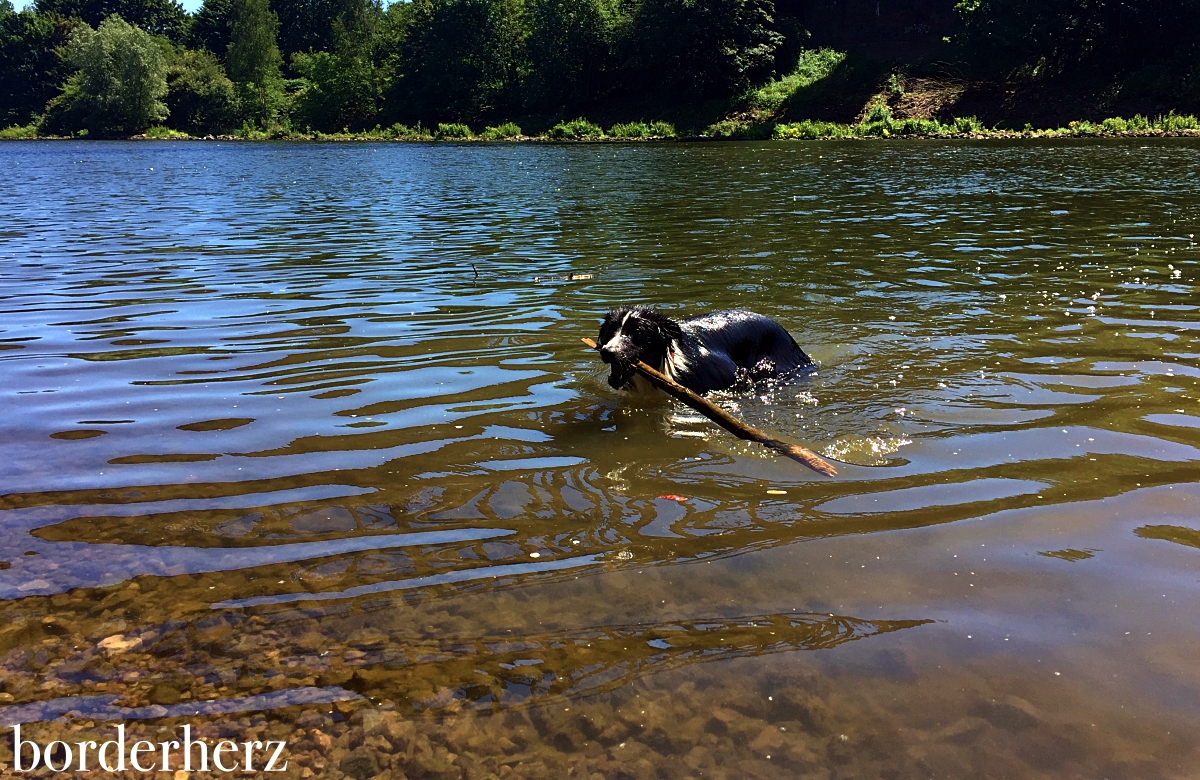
{"type": "Point", "coordinates": [779, 132]}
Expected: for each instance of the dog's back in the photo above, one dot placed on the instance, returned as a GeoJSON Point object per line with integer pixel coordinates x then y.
{"type": "Point", "coordinates": [722, 347]}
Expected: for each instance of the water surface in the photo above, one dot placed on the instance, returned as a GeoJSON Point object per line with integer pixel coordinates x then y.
{"type": "Point", "coordinates": [303, 437]}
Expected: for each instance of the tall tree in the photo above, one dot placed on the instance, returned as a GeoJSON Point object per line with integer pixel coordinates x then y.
{"type": "Point", "coordinates": [31, 69]}
{"type": "Point", "coordinates": [120, 85]}
{"type": "Point", "coordinates": [307, 25]}
{"type": "Point", "coordinates": [570, 52]}
{"type": "Point", "coordinates": [343, 86]}
{"type": "Point", "coordinates": [460, 60]}
{"type": "Point", "coordinates": [159, 17]}
{"type": "Point", "coordinates": [199, 95]}
{"type": "Point", "coordinates": [253, 60]}
{"type": "Point", "coordinates": [210, 27]}
{"type": "Point", "coordinates": [702, 48]}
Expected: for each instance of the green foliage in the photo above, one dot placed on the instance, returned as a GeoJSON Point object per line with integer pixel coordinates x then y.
{"type": "Point", "coordinates": [19, 132]}
{"type": "Point", "coordinates": [968, 124]}
{"type": "Point", "coordinates": [1089, 41]}
{"type": "Point", "coordinates": [31, 70]}
{"type": "Point", "coordinates": [307, 25]}
{"type": "Point", "coordinates": [339, 91]}
{"type": "Point", "coordinates": [160, 133]}
{"type": "Point", "coordinates": [253, 60]}
{"type": "Point", "coordinates": [570, 48]}
{"type": "Point", "coordinates": [656, 129]}
{"type": "Point", "coordinates": [810, 130]}
{"type": "Point", "coordinates": [120, 85]}
{"type": "Point", "coordinates": [882, 126]}
{"type": "Point", "coordinates": [343, 87]}
{"type": "Point", "coordinates": [446, 132]}
{"type": "Point", "coordinates": [814, 65]}
{"type": "Point", "coordinates": [702, 48]}
{"type": "Point", "coordinates": [157, 17]}
{"type": "Point", "coordinates": [575, 130]}
{"type": "Point", "coordinates": [210, 27]}
{"type": "Point", "coordinates": [401, 132]}
{"type": "Point", "coordinates": [1173, 122]}
{"type": "Point", "coordinates": [879, 112]}
{"type": "Point", "coordinates": [502, 132]}
{"type": "Point", "coordinates": [460, 59]}
{"type": "Point", "coordinates": [200, 98]}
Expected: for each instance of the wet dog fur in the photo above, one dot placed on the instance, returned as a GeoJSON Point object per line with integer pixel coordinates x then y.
{"type": "Point", "coordinates": [711, 352]}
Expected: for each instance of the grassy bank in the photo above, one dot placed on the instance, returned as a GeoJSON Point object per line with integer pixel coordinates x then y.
{"type": "Point", "coordinates": [878, 124]}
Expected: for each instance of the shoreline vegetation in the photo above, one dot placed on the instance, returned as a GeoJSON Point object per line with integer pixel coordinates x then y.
{"type": "Point", "coordinates": [878, 125]}
{"type": "Point", "coordinates": [519, 70]}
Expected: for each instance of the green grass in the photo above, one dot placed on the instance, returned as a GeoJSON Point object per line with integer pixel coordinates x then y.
{"type": "Point", "coordinates": [501, 132]}
{"type": "Point", "coordinates": [631, 130]}
{"type": "Point", "coordinates": [575, 130]}
{"type": "Point", "coordinates": [446, 132]}
{"type": "Point", "coordinates": [17, 132]}
{"type": "Point", "coordinates": [814, 65]}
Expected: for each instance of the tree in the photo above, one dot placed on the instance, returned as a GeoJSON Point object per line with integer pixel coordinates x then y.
{"type": "Point", "coordinates": [120, 85]}
{"type": "Point", "coordinates": [307, 25]}
{"type": "Point", "coordinates": [343, 86]}
{"type": "Point", "coordinates": [210, 27]}
{"type": "Point", "coordinates": [570, 53]}
{"type": "Point", "coordinates": [31, 70]}
{"type": "Point", "coordinates": [200, 97]}
{"type": "Point", "coordinates": [460, 60]}
{"type": "Point", "coordinates": [702, 48]}
{"type": "Point", "coordinates": [253, 60]}
{"type": "Point", "coordinates": [1079, 38]}
{"type": "Point", "coordinates": [158, 17]}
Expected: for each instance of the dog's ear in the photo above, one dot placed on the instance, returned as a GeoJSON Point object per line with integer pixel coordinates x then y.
{"type": "Point", "coordinates": [669, 329]}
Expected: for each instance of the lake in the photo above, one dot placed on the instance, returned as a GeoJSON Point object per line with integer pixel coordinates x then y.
{"type": "Point", "coordinates": [300, 443]}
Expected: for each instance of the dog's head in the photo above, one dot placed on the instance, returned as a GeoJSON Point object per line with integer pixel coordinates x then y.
{"type": "Point", "coordinates": [630, 335]}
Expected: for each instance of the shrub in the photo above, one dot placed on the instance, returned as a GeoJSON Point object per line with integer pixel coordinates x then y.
{"type": "Point", "coordinates": [1084, 128]}
{"type": "Point", "coordinates": [878, 113]}
{"type": "Point", "coordinates": [576, 130]}
{"type": "Point", "coordinates": [17, 132]}
{"type": "Point", "coordinates": [120, 85]}
{"type": "Point", "coordinates": [1114, 125]}
{"type": "Point", "coordinates": [160, 133]}
{"type": "Point", "coordinates": [201, 99]}
{"type": "Point", "coordinates": [1172, 122]}
{"type": "Point", "coordinates": [405, 133]}
{"type": "Point", "coordinates": [968, 124]}
{"type": "Point", "coordinates": [629, 130]}
{"type": "Point", "coordinates": [656, 129]}
{"type": "Point", "coordinates": [445, 132]}
{"type": "Point", "coordinates": [661, 129]}
{"type": "Point", "coordinates": [501, 132]}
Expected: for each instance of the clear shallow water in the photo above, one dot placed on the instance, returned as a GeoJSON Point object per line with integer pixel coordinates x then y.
{"type": "Point", "coordinates": [290, 425]}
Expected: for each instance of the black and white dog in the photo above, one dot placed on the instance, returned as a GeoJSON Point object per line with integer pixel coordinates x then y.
{"type": "Point", "coordinates": [713, 352]}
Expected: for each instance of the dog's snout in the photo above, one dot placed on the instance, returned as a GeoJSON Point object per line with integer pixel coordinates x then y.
{"type": "Point", "coordinates": [606, 354]}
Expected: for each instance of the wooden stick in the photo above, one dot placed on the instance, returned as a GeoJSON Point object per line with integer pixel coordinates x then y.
{"type": "Point", "coordinates": [728, 421]}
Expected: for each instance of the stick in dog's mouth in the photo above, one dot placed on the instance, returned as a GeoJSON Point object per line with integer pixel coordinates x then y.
{"type": "Point", "coordinates": [620, 376]}
{"type": "Point", "coordinates": [722, 417]}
